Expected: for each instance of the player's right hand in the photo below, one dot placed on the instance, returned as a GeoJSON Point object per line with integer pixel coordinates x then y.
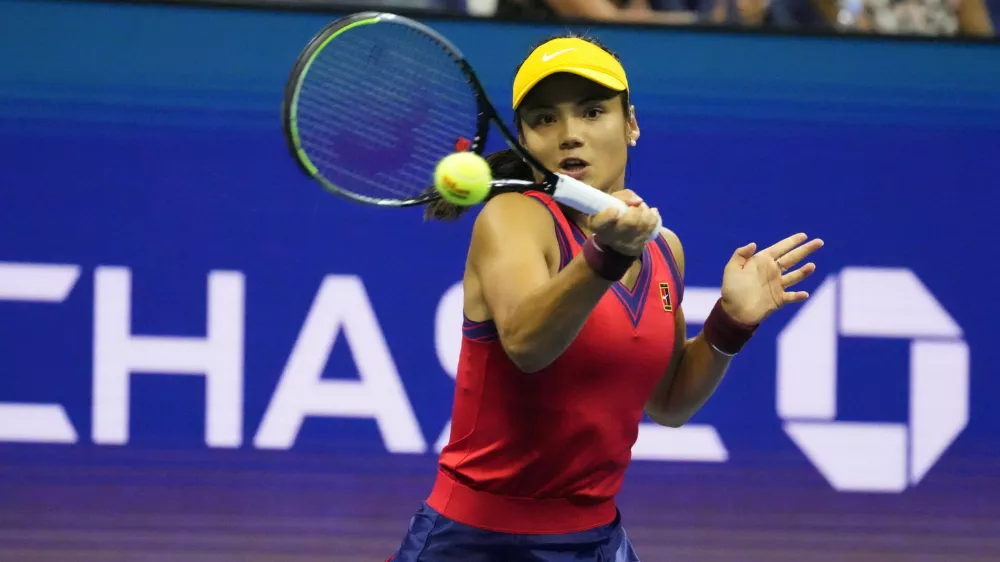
{"type": "Point", "coordinates": [626, 232]}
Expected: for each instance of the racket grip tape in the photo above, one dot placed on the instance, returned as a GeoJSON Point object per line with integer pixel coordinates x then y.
{"type": "Point", "coordinates": [588, 200]}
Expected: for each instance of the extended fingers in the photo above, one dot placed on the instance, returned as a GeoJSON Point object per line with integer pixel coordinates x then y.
{"type": "Point", "coordinates": [781, 248]}
{"type": "Point", "coordinates": [797, 296]}
{"type": "Point", "coordinates": [793, 277]}
{"type": "Point", "coordinates": [793, 257]}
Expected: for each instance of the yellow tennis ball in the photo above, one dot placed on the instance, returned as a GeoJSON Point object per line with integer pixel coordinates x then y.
{"type": "Point", "coordinates": [463, 178]}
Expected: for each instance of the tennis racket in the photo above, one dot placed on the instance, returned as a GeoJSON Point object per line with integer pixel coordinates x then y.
{"type": "Point", "coordinates": [376, 100]}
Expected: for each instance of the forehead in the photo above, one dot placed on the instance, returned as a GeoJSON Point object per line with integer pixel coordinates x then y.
{"type": "Point", "coordinates": [564, 88]}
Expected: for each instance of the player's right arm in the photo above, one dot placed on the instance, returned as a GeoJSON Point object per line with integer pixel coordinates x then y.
{"type": "Point", "coordinates": [537, 313]}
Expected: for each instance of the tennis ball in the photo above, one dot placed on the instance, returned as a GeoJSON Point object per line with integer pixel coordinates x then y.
{"type": "Point", "coordinates": [463, 178]}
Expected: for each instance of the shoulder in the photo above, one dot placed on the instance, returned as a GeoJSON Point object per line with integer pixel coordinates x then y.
{"type": "Point", "coordinates": [511, 215]}
{"type": "Point", "coordinates": [676, 249]}
{"type": "Point", "coordinates": [512, 230]}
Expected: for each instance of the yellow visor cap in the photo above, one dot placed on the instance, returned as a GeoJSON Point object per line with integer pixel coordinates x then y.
{"type": "Point", "coordinates": [571, 55]}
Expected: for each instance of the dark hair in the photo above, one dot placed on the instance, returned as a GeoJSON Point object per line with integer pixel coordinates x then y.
{"type": "Point", "coordinates": [506, 164]}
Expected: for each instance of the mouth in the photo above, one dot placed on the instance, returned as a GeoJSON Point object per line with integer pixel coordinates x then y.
{"type": "Point", "coordinates": [573, 167]}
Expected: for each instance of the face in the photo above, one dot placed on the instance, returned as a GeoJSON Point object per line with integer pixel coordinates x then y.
{"type": "Point", "coordinates": [578, 128]}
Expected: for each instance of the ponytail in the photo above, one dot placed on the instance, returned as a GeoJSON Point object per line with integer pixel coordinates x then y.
{"type": "Point", "coordinates": [504, 164]}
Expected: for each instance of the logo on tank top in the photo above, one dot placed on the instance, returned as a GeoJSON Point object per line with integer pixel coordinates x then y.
{"type": "Point", "coordinates": [665, 297]}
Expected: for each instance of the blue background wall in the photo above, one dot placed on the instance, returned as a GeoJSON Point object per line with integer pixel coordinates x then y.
{"type": "Point", "coordinates": [148, 138]}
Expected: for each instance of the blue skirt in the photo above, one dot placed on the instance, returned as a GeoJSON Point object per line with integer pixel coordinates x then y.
{"type": "Point", "coordinates": [433, 537]}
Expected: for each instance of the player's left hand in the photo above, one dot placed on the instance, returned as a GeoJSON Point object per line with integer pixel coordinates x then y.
{"type": "Point", "coordinates": [754, 283]}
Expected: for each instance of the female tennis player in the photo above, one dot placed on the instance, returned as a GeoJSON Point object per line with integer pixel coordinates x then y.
{"type": "Point", "coordinates": [574, 328]}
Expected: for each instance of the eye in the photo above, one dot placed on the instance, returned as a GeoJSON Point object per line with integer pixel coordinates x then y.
{"type": "Point", "coordinates": [594, 112]}
{"type": "Point", "coordinates": [544, 119]}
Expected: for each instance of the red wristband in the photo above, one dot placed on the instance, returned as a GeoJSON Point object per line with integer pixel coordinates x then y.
{"type": "Point", "coordinates": [606, 262]}
{"type": "Point", "coordinates": [724, 333]}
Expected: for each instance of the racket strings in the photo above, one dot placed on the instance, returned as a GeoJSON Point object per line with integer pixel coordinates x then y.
{"type": "Point", "coordinates": [379, 107]}
{"type": "Point", "coordinates": [326, 88]}
{"type": "Point", "coordinates": [373, 52]}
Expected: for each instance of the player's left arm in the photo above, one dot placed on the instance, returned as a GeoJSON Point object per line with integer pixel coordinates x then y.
{"type": "Point", "coordinates": [695, 369]}
{"type": "Point", "coordinates": [755, 284]}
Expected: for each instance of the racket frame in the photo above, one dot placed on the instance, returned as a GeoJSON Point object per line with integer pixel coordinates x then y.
{"type": "Point", "coordinates": [487, 113]}
{"type": "Point", "coordinates": [293, 86]}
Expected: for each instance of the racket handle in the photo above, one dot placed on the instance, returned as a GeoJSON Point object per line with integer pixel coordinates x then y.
{"type": "Point", "coordinates": [588, 200]}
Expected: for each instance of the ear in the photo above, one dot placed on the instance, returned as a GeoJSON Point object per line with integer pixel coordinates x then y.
{"type": "Point", "coordinates": [631, 128]}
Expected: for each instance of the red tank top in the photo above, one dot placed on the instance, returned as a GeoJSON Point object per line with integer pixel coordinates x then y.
{"type": "Point", "coordinates": [546, 452]}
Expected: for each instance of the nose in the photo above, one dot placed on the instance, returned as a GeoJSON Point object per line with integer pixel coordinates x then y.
{"type": "Point", "coordinates": [571, 134]}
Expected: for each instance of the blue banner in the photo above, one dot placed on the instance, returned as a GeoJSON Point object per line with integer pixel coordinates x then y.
{"type": "Point", "coordinates": [206, 355]}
